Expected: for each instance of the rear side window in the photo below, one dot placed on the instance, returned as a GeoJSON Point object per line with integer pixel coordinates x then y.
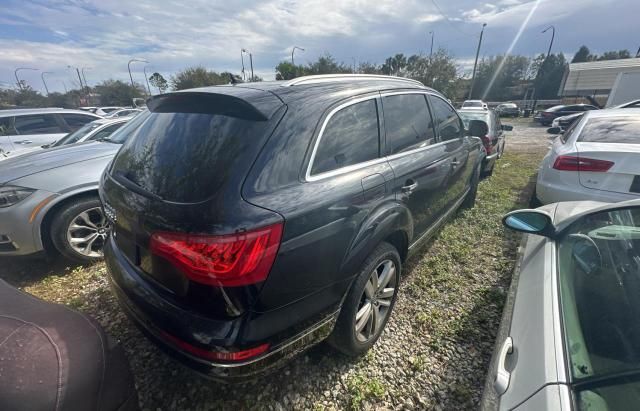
{"type": "Point", "coordinates": [37, 124]}
{"type": "Point", "coordinates": [351, 136]}
{"type": "Point", "coordinates": [447, 121]}
{"type": "Point", "coordinates": [407, 121]}
{"type": "Point", "coordinates": [6, 126]}
{"type": "Point", "coordinates": [75, 121]}
{"type": "Point", "coordinates": [186, 157]}
{"type": "Point", "coordinates": [106, 132]}
{"type": "Point", "coordinates": [622, 130]}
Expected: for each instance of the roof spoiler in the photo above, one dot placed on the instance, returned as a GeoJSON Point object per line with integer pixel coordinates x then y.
{"type": "Point", "coordinates": [205, 103]}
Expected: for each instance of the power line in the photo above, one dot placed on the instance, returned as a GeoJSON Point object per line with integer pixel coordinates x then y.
{"type": "Point", "coordinates": [449, 20]}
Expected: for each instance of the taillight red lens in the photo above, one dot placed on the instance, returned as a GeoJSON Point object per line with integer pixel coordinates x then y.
{"type": "Point", "coordinates": [486, 142]}
{"type": "Point", "coordinates": [576, 163]}
{"type": "Point", "coordinates": [225, 260]}
{"type": "Point", "coordinates": [216, 355]}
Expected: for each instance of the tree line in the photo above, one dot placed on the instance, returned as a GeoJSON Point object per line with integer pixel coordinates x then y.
{"type": "Point", "coordinates": [498, 78]}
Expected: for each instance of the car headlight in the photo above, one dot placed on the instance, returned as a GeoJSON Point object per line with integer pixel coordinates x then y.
{"type": "Point", "coordinates": [10, 195]}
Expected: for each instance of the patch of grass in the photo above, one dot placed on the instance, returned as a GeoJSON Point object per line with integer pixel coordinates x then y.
{"type": "Point", "coordinates": [418, 363]}
{"type": "Point", "coordinates": [362, 388]}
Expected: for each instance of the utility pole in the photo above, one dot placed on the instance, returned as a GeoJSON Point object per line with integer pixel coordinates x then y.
{"type": "Point", "coordinates": [553, 35]}
{"type": "Point", "coordinates": [431, 52]}
{"type": "Point", "coordinates": [292, 50]}
{"type": "Point", "coordinates": [44, 82]}
{"type": "Point", "coordinates": [244, 75]}
{"type": "Point", "coordinates": [86, 85]}
{"type": "Point", "coordinates": [250, 61]}
{"type": "Point", "coordinates": [475, 65]}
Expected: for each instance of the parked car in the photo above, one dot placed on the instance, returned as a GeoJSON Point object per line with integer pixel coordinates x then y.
{"type": "Point", "coordinates": [508, 110]}
{"type": "Point", "coordinates": [125, 112]}
{"type": "Point", "coordinates": [475, 104]}
{"type": "Point", "coordinates": [597, 158]}
{"type": "Point", "coordinates": [271, 216]}
{"type": "Point", "coordinates": [569, 337]}
{"type": "Point", "coordinates": [24, 128]}
{"type": "Point", "coordinates": [103, 111]}
{"type": "Point", "coordinates": [49, 200]}
{"type": "Point", "coordinates": [547, 116]}
{"type": "Point", "coordinates": [55, 358]}
{"type": "Point", "coordinates": [493, 139]}
{"type": "Point", "coordinates": [96, 130]}
{"type": "Point", "coordinates": [562, 123]}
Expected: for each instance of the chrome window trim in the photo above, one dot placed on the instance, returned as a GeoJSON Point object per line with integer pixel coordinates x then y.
{"type": "Point", "coordinates": [382, 159]}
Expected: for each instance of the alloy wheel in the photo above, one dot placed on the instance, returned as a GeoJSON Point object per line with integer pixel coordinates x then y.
{"type": "Point", "coordinates": [375, 302]}
{"type": "Point", "coordinates": [87, 232]}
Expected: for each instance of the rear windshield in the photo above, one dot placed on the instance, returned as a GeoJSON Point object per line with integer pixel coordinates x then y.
{"type": "Point", "coordinates": [621, 130]}
{"type": "Point", "coordinates": [467, 116]}
{"type": "Point", "coordinates": [472, 104]}
{"type": "Point", "coordinates": [185, 157]}
{"type": "Point", "coordinates": [508, 105]}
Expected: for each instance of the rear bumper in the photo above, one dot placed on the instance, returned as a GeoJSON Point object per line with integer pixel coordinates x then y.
{"type": "Point", "coordinates": [549, 191]}
{"type": "Point", "coordinates": [141, 303]}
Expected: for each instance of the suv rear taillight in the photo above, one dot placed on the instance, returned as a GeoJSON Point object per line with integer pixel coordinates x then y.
{"type": "Point", "coordinates": [216, 355]}
{"type": "Point", "coordinates": [575, 163]}
{"type": "Point", "coordinates": [486, 142]}
{"type": "Point", "coordinates": [222, 260]}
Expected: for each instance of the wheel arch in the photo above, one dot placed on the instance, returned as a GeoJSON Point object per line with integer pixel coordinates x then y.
{"type": "Point", "coordinates": [53, 209]}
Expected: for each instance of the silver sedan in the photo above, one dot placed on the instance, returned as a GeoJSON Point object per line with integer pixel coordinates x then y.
{"type": "Point", "coordinates": [570, 332]}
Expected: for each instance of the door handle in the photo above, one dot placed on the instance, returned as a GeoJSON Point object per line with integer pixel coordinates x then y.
{"type": "Point", "coordinates": [23, 142]}
{"type": "Point", "coordinates": [502, 375]}
{"type": "Point", "coordinates": [409, 186]}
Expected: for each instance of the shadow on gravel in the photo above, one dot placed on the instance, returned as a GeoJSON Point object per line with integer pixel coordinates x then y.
{"type": "Point", "coordinates": [475, 333]}
{"type": "Point", "coordinates": [24, 271]}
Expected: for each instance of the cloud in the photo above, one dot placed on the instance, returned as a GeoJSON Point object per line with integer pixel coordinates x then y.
{"type": "Point", "coordinates": [429, 18]}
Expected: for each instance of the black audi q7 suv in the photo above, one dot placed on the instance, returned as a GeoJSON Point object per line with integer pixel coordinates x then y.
{"type": "Point", "coordinates": [250, 221]}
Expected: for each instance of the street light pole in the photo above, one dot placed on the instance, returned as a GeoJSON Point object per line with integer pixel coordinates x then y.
{"type": "Point", "coordinates": [15, 73]}
{"type": "Point", "coordinates": [553, 35]}
{"type": "Point", "coordinates": [129, 68]}
{"type": "Point", "coordinates": [144, 69]}
{"type": "Point", "coordinates": [292, 50]}
{"type": "Point", "coordinates": [44, 82]}
{"type": "Point", "coordinates": [86, 85]}
{"type": "Point", "coordinates": [475, 65]}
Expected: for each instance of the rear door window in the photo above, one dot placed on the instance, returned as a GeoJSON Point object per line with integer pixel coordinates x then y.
{"type": "Point", "coordinates": [621, 130]}
{"type": "Point", "coordinates": [6, 126]}
{"type": "Point", "coordinates": [407, 122]}
{"type": "Point", "coordinates": [351, 136]}
{"type": "Point", "coordinates": [37, 124]}
{"type": "Point", "coordinates": [75, 121]}
{"type": "Point", "coordinates": [447, 121]}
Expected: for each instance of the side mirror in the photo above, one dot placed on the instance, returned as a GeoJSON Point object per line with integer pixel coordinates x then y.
{"type": "Point", "coordinates": [507, 127]}
{"type": "Point", "coordinates": [555, 130]}
{"type": "Point", "coordinates": [530, 221]}
{"type": "Point", "coordinates": [478, 128]}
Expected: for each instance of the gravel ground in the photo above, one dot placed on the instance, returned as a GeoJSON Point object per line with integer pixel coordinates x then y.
{"type": "Point", "coordinates": [433, 354]}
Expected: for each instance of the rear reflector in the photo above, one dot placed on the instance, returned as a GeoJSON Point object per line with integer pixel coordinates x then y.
{"type": "Point", "coordinates": [216, 355]}
{"type": "Point", "coordinates": [575, 163]}
{"type": "Point", "coordinates": [224, 260]}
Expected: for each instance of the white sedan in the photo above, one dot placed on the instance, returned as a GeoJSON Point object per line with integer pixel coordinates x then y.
{"type": "Point", "coordinates": [597, 158]}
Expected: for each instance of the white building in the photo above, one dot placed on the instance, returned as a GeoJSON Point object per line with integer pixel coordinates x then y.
{"type": "Point", "coordinates": [595, 78]}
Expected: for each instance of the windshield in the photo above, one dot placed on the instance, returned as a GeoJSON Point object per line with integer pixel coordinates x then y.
{"type": "Point", "coordinates": [120, 135]}
{"type": "Point", "coordinates": [467, 116]}
{"type": "Point", "coordinates": [599, 275]}
{"type": "Point", "coordinates": [77, 135]}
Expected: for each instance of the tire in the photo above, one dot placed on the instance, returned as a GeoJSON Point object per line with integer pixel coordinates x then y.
{"type": "Point", "coordinates": [470, 200]}
{"type": "Point", "coordinates": [85, 213]}
{"type": "Point", "coordinates": [345, 337]}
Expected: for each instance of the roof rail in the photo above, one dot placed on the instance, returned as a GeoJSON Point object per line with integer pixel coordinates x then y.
{"type": "Point", "coordinates": [325, 78]}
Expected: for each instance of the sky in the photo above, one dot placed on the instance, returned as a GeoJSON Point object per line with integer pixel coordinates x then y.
{"type": "Point", "coordinates": [102, 36]}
